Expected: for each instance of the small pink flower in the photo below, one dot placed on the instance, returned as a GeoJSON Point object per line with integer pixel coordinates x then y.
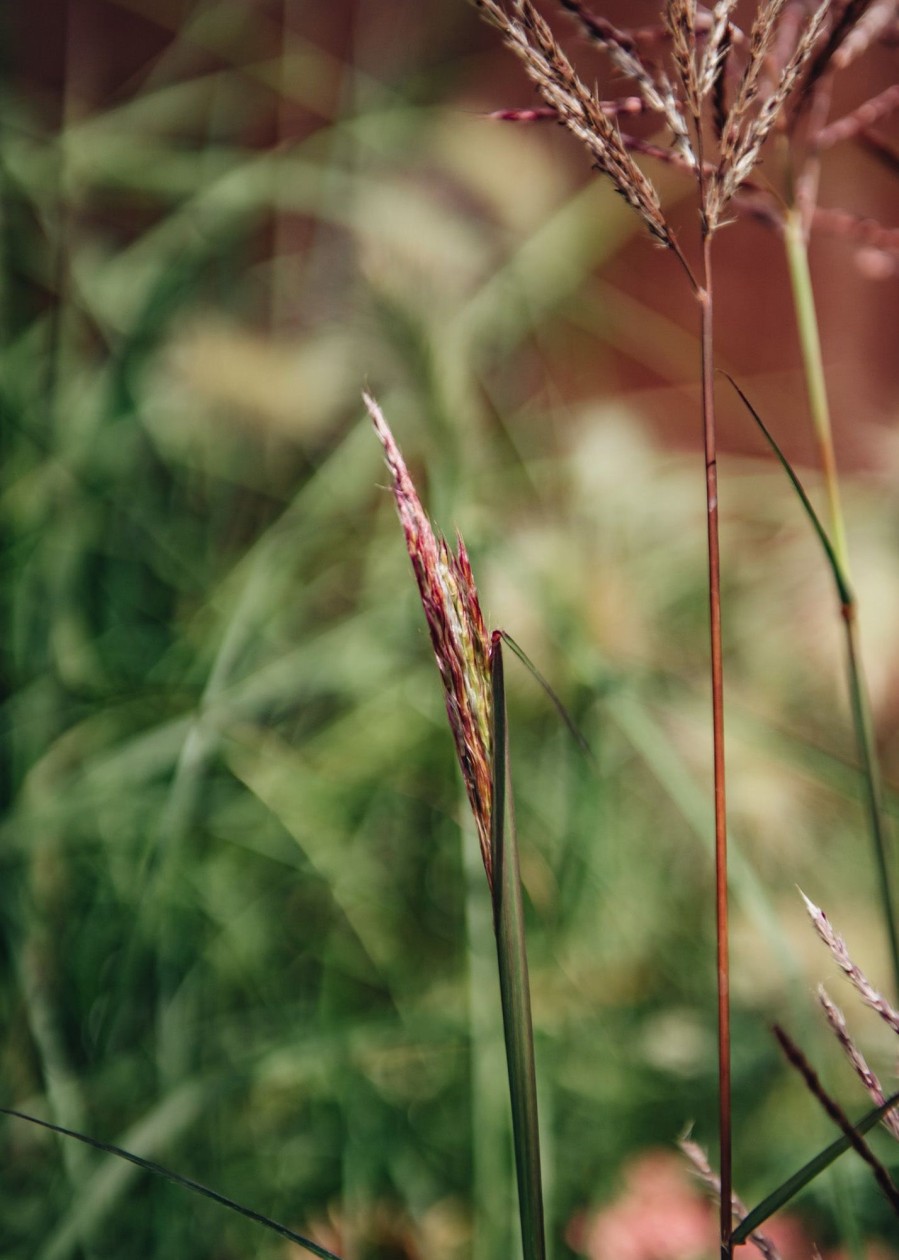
{"type": "Point", "coordinates": [658, 1216]}
{"type": "Point", "coordinates": [661, 1214]}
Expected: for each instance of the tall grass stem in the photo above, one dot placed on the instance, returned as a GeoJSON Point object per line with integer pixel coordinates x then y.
{"type": "Point", "coordinates": [717, 677]}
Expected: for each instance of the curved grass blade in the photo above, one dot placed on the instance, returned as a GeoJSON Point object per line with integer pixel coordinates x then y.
{"type": "Point", "coordinates": [563, 713]}
{"type": "Point", "coordinates": [511, 954]}
{"type": "Point", "coordinates": [839, 577]}
{"type": "Point", "coordinates": [791, 1187]}
{"type": "Point", "coordinates": [858, 694]}
{"type": "Point", "coordinates": [148, 1165]}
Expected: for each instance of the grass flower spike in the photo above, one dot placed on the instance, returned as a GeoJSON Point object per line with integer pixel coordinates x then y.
{"type": "Point", "coordinates": [471, 667]}
{"type": "Point", "coordinates": [461, 645]}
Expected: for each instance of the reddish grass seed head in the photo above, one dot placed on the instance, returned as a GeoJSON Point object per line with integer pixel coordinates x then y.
{"type": "Point", "coordinates": [453, 613]}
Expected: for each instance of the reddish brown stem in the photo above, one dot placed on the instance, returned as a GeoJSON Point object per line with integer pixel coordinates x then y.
{"type": "Point", "coordinates": [717, 673]}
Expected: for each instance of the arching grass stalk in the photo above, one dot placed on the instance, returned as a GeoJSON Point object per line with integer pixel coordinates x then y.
{"type": "Point", "coordinates": [796, 244]}
{"type": "Point", "coordinates": [471, 667]}
{"type": "Point", "coordinates": [168, 1174]}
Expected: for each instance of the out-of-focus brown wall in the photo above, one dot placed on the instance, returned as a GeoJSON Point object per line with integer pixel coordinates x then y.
{"type": "Point", "coordinates": [84, 55]}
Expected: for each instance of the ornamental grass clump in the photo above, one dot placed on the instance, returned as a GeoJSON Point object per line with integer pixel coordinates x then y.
{"type": "Point", "coordinates": [743, 114]}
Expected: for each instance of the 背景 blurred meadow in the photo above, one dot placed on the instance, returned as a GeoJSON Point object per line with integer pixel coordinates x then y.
{"type": "Point", "coordinates": [245, 928]}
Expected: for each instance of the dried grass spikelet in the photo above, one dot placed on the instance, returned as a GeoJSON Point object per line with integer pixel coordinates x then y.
{"type": "Point", "coordinates": [698, 75]}
{"type": "Point", "coordinates": [716, 47]}
{"type": "Point", "coordinates": [746, 129]}
{"type": "Point", "coordinates": [868, 1078]}
{"type": "Point", "coordinates": [655, 89]}
{"type": "Point", "coordinates": [532, 41]}
{"type": "Point", "coordinates": [760, 40]}
{"type": "Point", "coordinates": [450, 601]}
{"type": "Point", "coordinates": [680, 21]}
{"type": "Point", "coordinates": [856, 976]}
{"type": "Point", "coordinates": [836, 1019]}
{"type": "Point", "coordinates": [698, 1158]}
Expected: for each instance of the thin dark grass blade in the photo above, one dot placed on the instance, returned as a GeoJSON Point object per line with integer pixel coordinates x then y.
{"type": "Point", "coordinates": [513, 978]}
{"type": "Point", "coordinates": [563, 713]}
{"type": "Point", "coordinates": [843, 588]}
{"type": "Point", "coordinates": [796, 1059]}
{"type": "Point", "coordinates": [861, 711]}
{"type": "Point", "coordinates": [867, 745]}
{"type": "Point", "coordinates": [791, 1187]}
{"type": "Point", "coordinates": [148, 1165]}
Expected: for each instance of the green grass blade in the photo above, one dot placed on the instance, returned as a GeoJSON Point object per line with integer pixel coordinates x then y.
{"type": "Point", "coordinates": [858, 694]}
{"type": "Point", "coordinates": [791, 1187]}
{"type": "Point", "coordinates": [839, 577]}
{"type": "Point", "coordinates": [563, 713]}
{"type": "Point", "coordinates": [513, 978]}
{"type": "Point", "coordinates": [104, 1184]}
{"type": "Point", "coordinates": [158, 1170]}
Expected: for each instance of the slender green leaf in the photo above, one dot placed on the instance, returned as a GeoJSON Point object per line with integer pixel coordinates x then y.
{"type": "Point", "coordinates": [791, 1187]}
{"type": "Point", "coordinates": [513, 978]}
{"type": "Point", "coordinates": [563, 713]}
{"type": "Point", "coordinates": [839, 576]}
{"type": "Point", "coordinates": [861, 704]}
{"type": "Point", "coordinates": [159, 1171]}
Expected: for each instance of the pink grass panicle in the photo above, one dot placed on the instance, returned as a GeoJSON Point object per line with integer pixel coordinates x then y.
{"type": "Point", "coordinates": [458, 635]}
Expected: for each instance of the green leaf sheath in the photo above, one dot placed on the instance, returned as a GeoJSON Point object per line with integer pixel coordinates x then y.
{"type": "Point", "coordinates": [513, 978]}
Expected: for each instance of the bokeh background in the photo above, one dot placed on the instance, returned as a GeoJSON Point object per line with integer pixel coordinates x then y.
{"type": "Point", "coordinates": [245, 928]}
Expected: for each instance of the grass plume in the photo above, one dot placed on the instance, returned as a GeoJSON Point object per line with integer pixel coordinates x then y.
{"type": "Point", "coordinates": [456, 625]}
{"type": "Point", "coordinates": [531, 39]}
{"type": "Point", "coordinates": [474, 687]}
{"type": "Point", "coordinates": [857, 978]}
{"type": "Point", "coordinates": [837, 1022]}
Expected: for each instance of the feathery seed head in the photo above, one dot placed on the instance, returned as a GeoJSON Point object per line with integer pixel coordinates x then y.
{"type": "Point", "coordinates": [680, 22]}
{"type": "Point", "coordinates": [837, 946]}
{"type": "Point", "coordinates": [857, 1061]}
{"type": "Point", "coordinates": [655, 89]}
{"type": "Point", "coordinates": [461, 645]}
{"type": "Point", "coordinates": [745, 130]}
{"type": "Point", "coordinates": [717, 46]}
{"type": "Point", "coordinates": [579, 109]}
{"type": "Point", "coordinates": [792, 44]}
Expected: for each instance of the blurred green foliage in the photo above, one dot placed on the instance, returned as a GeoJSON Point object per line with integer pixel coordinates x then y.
{"type": "Point", "coordinates": [245, 929]}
